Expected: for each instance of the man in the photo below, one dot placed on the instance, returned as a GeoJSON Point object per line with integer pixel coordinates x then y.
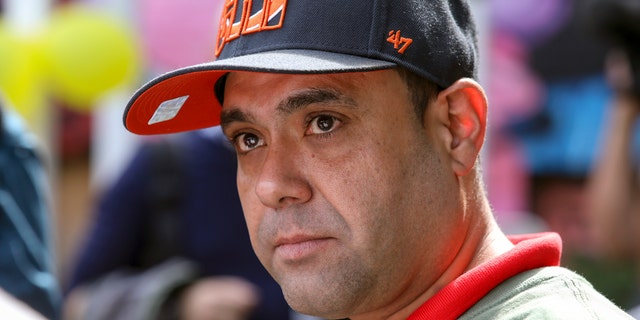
{"type": "Point", "coordinates": [358, 127]}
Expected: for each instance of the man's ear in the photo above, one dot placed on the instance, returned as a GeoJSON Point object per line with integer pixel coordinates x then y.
{"type": "Point", "coordinates": [463, 111]}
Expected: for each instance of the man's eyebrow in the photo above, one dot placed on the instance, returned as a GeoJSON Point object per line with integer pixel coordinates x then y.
{"type": "Point", "coordinates": [312, 96]}
{"type": "Point", "coordinates": [292, 103]}
{"type": "Point", "coordinates": [233, 115]}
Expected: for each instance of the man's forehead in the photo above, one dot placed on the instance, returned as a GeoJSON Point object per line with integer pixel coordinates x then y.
{"type": "Point", "coordinates": [284, 94]}
{"type": "Point", "coordinates": [351, 81]}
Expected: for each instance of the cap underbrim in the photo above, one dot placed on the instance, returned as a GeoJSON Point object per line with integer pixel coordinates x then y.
{"type": "Point", "coordinates": [185, 99]}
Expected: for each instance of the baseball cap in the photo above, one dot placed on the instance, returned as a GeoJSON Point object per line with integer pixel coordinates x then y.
{"type": "Point", "coordinates": [435, 39]}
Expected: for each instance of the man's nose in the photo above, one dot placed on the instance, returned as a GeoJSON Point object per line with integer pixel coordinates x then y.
{"type": "Point", "coordinates": [282, 181]}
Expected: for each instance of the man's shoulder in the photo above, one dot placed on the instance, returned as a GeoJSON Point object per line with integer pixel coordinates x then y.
{"type": "Point", "coordinates": [545, 293]}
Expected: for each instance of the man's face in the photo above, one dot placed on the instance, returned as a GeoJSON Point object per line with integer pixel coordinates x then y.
{"type": "Point", "coordinates": [349, 197]}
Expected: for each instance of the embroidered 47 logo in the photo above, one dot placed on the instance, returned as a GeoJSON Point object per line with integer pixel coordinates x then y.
{"type": "Point", "coordinates": [399, 42]}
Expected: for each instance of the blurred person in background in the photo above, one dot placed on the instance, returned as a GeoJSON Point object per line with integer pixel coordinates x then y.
{"type": "Point", "coordinates": [26, 260]}
{"type": "Point", "coordinates": [554, 45]}
{"type": "Point", "coordinates": [169, 241]}
{"type": "Point", "coordinates": [557, 136]}
{"type": "Point", "coordinates": [614, 186]}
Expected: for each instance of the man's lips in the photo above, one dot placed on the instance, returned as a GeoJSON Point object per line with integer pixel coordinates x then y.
{"type": "Point", "coordinates": [296, 248]}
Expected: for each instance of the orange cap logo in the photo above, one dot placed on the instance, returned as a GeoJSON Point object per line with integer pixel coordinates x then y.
{"type": "Point", "coordinates": [269, 17]}
{"type": "Point", "coordinates": [399, 43]}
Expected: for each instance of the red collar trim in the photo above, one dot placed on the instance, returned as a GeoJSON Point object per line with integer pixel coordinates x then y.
{"type": "Point", "coordinates": [531, 251]}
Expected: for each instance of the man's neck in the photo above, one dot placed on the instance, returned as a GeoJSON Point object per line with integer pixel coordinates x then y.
{"type": "Point", "coordinates": [484, 241]}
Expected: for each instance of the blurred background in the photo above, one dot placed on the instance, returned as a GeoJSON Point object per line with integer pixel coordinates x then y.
{"type": "Point", "coordinates": [69, 67]}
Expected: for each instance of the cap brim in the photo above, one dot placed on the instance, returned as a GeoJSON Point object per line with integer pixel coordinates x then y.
{"type": "Point", "coordinates": [185, 99]}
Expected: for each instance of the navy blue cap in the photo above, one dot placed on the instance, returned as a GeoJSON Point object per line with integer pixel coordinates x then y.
{"type": "Point", "coordinates": [435, 39]}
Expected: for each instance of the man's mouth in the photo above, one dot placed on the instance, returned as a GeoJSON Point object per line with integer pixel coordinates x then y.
{"type": "Point", "coordinates": [299, 247]}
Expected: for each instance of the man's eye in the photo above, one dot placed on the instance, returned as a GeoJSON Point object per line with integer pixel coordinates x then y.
{"type": "Point", "coordinates": [248, 141]}
{"type": "Point", "coordinates": [322, 124]}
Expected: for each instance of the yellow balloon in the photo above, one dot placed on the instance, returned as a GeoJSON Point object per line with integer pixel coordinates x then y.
{"type": "Point", "coordinates": [87, 54]}
{"type": "Point", "coordinates": [20, 78]}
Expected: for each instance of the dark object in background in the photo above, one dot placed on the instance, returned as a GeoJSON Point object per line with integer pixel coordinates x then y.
{"type": "Point", "coordinates": [618, 23]}
{"type": "Point", "coordinates": [573, 52]}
